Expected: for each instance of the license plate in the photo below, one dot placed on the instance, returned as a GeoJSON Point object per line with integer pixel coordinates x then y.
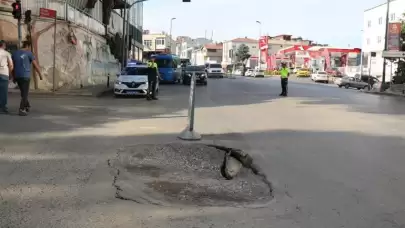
{"type": "Point", "coordinates": [132, 92]}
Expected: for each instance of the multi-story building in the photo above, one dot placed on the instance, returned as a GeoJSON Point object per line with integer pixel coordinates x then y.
{"type": "Point", "coordinates": [209, 53]}
{"type": "Point", "coordinates": [187, 45]}
{"type": "Point", "coordinates": [373, 38]}
{"type": "Point", "coordinates": [89, 38]}
{"type": "Point", "coordinates": [230, 48]}
{"type": "Point", "coordinates": [158, 43]}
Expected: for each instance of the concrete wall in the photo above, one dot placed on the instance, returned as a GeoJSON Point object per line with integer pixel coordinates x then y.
{"type": "Point", "coordinates": [87, 63]}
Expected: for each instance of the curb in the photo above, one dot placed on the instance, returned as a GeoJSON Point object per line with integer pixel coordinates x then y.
{"type": "Point", "coordinates": [385, 94]}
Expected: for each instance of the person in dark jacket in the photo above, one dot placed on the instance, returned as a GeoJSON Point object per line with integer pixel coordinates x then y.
{"type": "Point", "coordinates": [153, 76]}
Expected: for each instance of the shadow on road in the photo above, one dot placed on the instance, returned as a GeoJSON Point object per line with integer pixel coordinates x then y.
{"type": "Point", "coordinates": [68, 113]}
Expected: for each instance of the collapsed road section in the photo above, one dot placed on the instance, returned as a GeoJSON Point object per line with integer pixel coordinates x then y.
{"type": "Point", "coordinates": [184, 174]}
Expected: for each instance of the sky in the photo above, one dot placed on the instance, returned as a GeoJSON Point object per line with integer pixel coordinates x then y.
{"type": "Point", "coordinates": [335, 22]}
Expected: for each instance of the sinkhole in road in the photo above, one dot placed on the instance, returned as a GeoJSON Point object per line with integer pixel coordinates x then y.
{"type": "Point", "coordinates": [183, 174]}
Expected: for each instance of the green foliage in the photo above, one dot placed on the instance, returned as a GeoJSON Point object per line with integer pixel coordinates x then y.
{"type": "Point", "coordinates": [242, 54]}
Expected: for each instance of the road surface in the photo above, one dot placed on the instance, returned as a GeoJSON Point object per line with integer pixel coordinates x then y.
{"type": "Point", "coordinates": [336, 157]}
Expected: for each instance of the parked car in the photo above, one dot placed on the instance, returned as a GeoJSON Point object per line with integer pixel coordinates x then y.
{"type": "Point", "coordinates": [303, 73]}
{"type": "Point", "coordinates": [320, 76]}
{"type": "Point", "coordinates": [258, 73]}
{"type": "Point", "coordinates": [249, 72]}
{"type": "Point", "coordinates": [214, 70]}
{"type": "Point", "coordinates": [201, 76]}
{"type": "Point", "coordinates": [351, 82]}
{"type": "Point", "coordinates": [334, 72]}
{"type": "Point", "coordinates": [133, 80]}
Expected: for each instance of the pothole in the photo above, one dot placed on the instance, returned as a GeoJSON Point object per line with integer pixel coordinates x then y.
{"type": "Point", "coordinates": [184, 174]}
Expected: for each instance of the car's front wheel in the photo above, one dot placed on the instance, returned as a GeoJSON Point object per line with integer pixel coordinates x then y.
{"type": "Point", "coordinates": [347, 86]}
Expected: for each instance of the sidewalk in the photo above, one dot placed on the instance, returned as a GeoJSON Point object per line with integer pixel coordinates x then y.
{"type": "Point", "coordinates": [93, 91]}
{"type": "Point", "coordinates": [386, 93]}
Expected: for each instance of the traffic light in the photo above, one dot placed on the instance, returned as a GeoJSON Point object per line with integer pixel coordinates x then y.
{"type": "Point", "coordinates": [16, 9]}
{"type": "Point", "coordinates": [27, 18]}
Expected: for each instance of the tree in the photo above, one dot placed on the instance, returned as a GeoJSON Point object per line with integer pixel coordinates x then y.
{"type": "Point", "coordinates": [242, 54]}
{"type": "Point", "coordinates": [399, 77]}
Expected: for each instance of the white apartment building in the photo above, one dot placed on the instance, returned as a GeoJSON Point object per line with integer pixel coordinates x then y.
{"type": "Point", "coordinates": [185, 48]}
{"type": "Point", "coordinates": [230, 48]}
{"type": "Point", "coordinates": [158, 42]}
{"type": "Point", "coordinates": [209, 53]}
{"type": "Point", "coordinates": [373, 36]}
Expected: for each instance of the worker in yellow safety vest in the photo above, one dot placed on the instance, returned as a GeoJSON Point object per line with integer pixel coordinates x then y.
{"type": "Point", "coordinates": [152, 79]}
{"type": "Point", "coordinates": [284, 74]}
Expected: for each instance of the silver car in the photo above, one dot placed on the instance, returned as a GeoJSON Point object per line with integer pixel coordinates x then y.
{"type": "Point", "coordinates": [351, 82]}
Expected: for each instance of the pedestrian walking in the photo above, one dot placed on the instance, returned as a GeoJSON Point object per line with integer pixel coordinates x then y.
{"type": "Point", "coordinates": [284, 74]}
{"type": "Point", "coordinates": [22, 60]}
{"type": "Point", "coordinates": [153, 76]}
{"type": "Point", "coordinates": [6, 67]}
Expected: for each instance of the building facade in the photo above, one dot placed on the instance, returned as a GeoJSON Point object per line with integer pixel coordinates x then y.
{"type": "Point", "coordinates": [209, 53]}
{"type": "Point", "coordinates": [186, 46]}
{"type": "Point", "coordinates": [373, 38]}
{"type": "Point", "coordinates": [158, 43]}
{"type": "Point", "coordinates": [230, 48]}
{"type": "Point", "coordinates": [89, 35]}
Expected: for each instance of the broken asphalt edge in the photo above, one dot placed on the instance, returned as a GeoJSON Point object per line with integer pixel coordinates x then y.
{"type": "Point", "coordinates": [84, 93]}
{"type": "Point", "coordinates": [251, 165]}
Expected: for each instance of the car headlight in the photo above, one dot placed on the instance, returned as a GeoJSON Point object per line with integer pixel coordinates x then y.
{"type": "Point", "coordinates": [118, 82]}
{"type": "Point", "coordinates": [202, 75]}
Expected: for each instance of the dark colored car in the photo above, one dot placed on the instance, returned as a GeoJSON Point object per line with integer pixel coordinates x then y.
{"type": "Point", "coordinates": [201, 76]}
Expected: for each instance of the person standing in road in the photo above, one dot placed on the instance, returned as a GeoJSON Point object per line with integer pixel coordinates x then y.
{"type": "Point", "coordinates": [284, 74]}
{"type": "Point", "coordinates": [6, 67]}
{"type": "Point", "coordinates": [152, 79]}
{"type": "Point", "coordinates": [23, 59]}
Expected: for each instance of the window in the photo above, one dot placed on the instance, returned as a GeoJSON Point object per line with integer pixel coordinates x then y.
{"type": "Point", "coordinates": [160, 41]}
{"type": "Point", "coordinates": [379, 39]}
{"type": "Point", "coordinates": [379, 21]}
{"type": "Point", "coordinates": [253, 46]}
{"type": "Point", "coordinates": [392, 17]}
{"type": "Point", "coordinates": [147, 43]}
{"type": "Point", "coordinates": [164, 63]}
{"type": "Point", "coordinates": [369, 24]}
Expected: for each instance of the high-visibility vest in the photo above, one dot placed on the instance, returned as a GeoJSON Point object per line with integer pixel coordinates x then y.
{"type": "Point", "coordinates": [284, 72]}
{"type": "Point", "coordinates": [152, 64]}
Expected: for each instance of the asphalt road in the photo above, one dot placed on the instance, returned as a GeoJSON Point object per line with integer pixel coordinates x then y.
{"type": "Point", "coordinates": [335, 156]}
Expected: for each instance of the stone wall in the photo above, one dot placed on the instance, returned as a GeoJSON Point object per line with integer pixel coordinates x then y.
{"type": "Point", "coordinates": [82, 58]}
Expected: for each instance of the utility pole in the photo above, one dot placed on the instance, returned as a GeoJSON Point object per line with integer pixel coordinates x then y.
{"type": "Point", "coordinates": [171, 27]}
{"type": "Point", "coordinates": [382, 88]}
{"type": "Point", "coordinates": [17, 15]}
{"type": "Point", "coordinates": [260, 51]}
{"type": "Point", "coordinates": [123, 49]}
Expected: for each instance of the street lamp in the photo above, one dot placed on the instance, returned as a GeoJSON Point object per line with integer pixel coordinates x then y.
{"type": "Point", "coordinates": [260, 51]}
{"type": "Point", "coordinates": [125, 31]}
{"type": "Point", "coordinates": [171, 27]}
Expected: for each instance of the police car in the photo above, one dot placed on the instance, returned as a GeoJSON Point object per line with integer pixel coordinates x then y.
{"type": "Point", "coordinates": [133, 81]}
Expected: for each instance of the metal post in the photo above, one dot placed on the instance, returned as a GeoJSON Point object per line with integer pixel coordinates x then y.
{"type": "Point", "coordinates": [171, 27]}
{"type": "Point", "coordinates": [260, 51]}
{"type": "Point", "coordinates": [382, 88]}
{"type": "Point", "coordinates": [188, 133]}
{"type": "Point", "coordinates": [123, 36]}
{"type": "Point", "coordinates": [54, 56]}
{"type": "Point", "coordinates": [19, 33]}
